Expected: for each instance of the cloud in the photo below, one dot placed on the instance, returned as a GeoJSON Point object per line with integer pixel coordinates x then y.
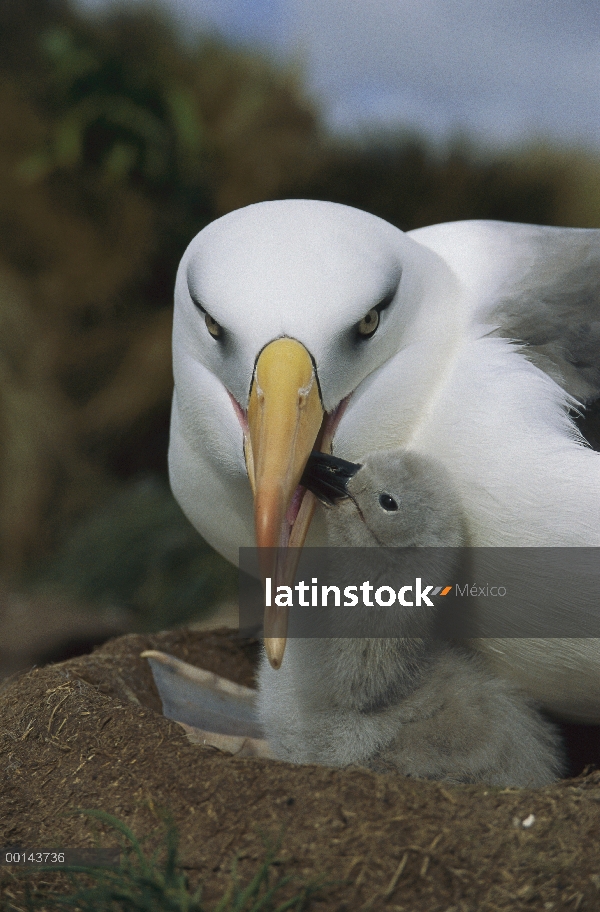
{"type": "Point", "coordinates": [500, 68]}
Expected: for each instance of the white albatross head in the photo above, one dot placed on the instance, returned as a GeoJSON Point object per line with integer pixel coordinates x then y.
{"type": "Point", "coordinates": [282, 310]}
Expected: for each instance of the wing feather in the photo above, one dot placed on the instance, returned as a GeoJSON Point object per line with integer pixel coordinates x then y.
{"type": "Point", "coordinates": [537, 285]}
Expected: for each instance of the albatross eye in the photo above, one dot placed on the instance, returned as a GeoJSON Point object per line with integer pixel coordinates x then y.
{"type": "Point", "coordinates": [369, 323]}
{"type": "Point", "coordinates": [212, 326]}
{"type": "Point", "coordinates": [388, 503]}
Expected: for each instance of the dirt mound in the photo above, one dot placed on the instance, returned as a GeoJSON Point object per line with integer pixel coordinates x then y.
{"type": "Point", "coordinates": [87, 733]}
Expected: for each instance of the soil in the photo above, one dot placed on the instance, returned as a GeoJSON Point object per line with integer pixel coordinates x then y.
{"type": "Point", "coordinates": [88, 733]}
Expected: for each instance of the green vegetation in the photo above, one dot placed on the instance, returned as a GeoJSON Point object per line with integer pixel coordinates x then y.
{"type": "Point", "coordinates": [138, 549]}
{"type": "Point", "coordinates": [156, 883]}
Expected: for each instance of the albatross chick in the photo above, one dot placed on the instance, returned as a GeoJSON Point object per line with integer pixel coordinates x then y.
{"type": "Point", "coordinates": [423, 707]}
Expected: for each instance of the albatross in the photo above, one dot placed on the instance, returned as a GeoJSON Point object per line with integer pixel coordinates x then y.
{"type": "Point", "coordinates": [304, 325]}
{"type": "Point", "coordinates": [412, 703]}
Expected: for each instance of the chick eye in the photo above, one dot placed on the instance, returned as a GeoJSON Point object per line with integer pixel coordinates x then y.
{"type": "Point", "coordinates": [387, 502]}
{"type": "Point", "coordinates": [369, 323]}
{"type": "Point", "coordinates": [213, 327]}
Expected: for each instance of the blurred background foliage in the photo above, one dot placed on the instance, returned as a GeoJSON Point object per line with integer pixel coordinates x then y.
{"type": "Point", "coordinates": [118, 143]}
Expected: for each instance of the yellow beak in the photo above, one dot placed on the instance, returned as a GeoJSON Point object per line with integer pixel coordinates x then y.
{"type": "Point", "coordinates": [284, 419]}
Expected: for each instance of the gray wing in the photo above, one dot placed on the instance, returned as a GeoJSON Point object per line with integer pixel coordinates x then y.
{"type": "Point", "coordinates": [202, 699]}
{"type": "Point", "coordinates": [538, 285]}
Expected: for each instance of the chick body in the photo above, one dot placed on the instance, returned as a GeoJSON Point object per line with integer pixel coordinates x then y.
{"type": "Point", "coordinates": [424, 707]}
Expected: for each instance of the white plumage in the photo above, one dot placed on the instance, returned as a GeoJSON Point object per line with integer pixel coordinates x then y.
{"type": "Point", "coordinates": [484, 332]}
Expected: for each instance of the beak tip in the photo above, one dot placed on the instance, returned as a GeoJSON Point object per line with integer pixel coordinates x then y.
{"type": "Point", "coordinates": [275, 648]}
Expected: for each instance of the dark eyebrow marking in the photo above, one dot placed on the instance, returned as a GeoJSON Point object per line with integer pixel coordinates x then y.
{"type": "Point", "coordinates": [387, 299]}
{"type": "Point", "coordinates": [196, 302]}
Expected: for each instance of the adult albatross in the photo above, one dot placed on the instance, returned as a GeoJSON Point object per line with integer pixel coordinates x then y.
{"type": "Point", "coordinates": [301, 323]}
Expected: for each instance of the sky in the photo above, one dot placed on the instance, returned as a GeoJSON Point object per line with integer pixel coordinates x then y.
{"type": "Point", "coordinates": [500, 71]}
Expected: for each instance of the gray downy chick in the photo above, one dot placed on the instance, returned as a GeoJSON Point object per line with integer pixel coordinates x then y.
{"type": "Point", "coordinates": [422, 707]}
